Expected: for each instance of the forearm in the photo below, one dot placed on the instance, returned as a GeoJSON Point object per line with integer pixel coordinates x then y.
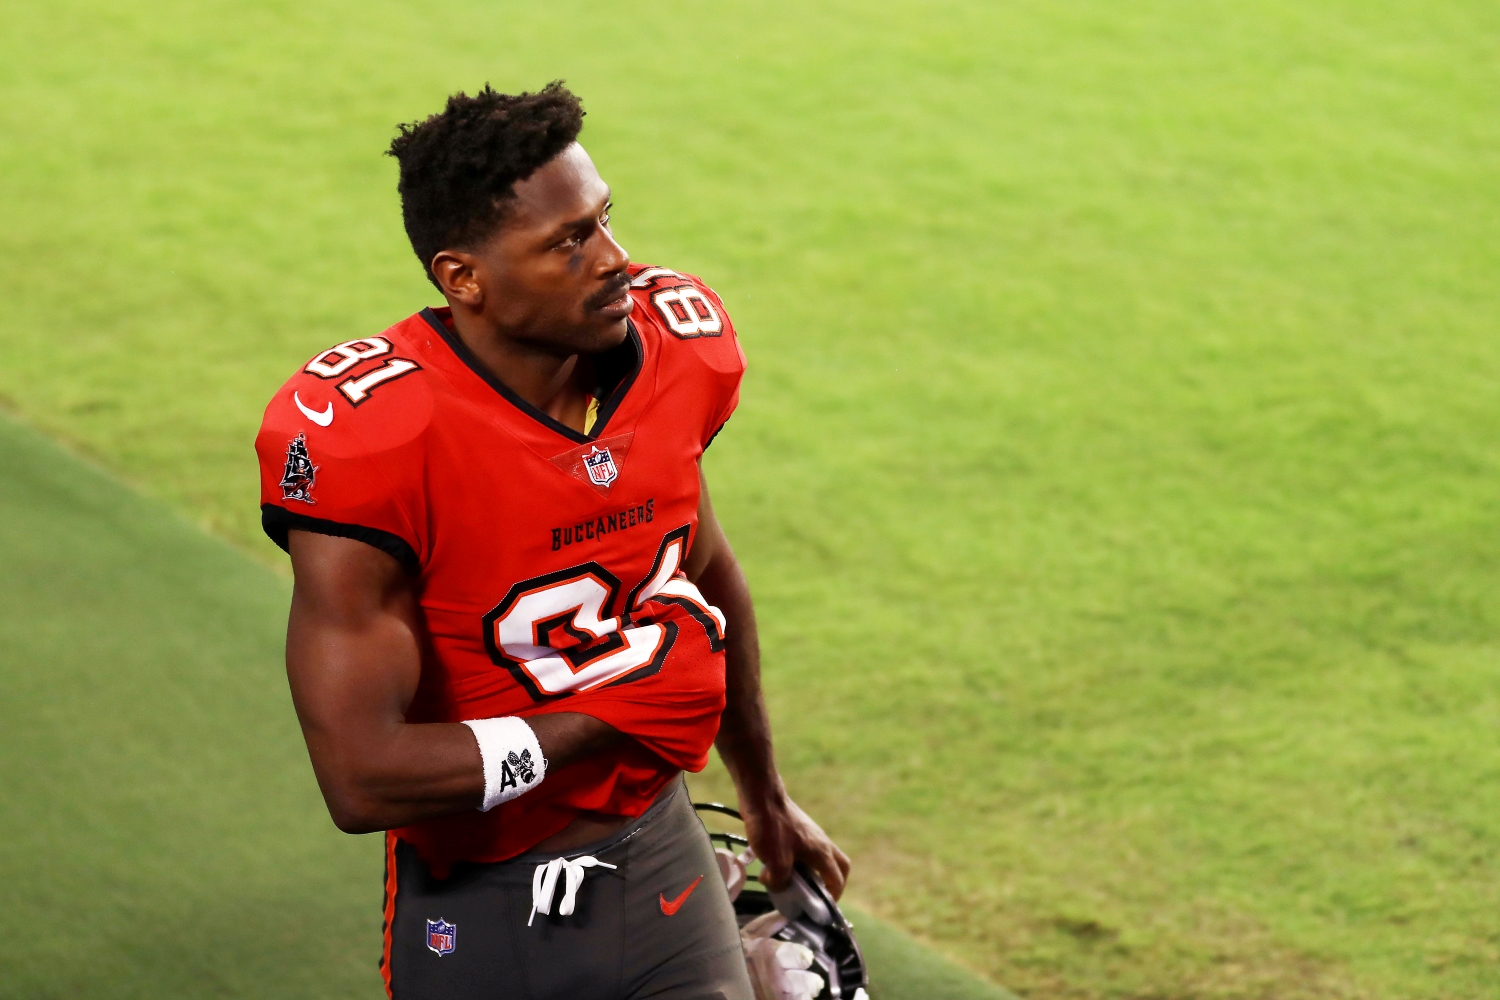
{"type": "Point", "coordinates": [379, 778]}
{"type": "Point", "coordinates": [779, 831]}
{"type": "Point", "coordinates": [744, 740]}
{"type": "Point", "coordinates": [403, 773]}
{"type": "Point", "coordinates": [354, 661]}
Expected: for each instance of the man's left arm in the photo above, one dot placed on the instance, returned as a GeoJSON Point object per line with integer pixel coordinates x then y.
{"type": "Point", "coordinates": [779, 831]}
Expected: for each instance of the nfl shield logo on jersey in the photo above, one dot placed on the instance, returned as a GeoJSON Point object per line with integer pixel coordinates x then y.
{"type": "Point", "coordinates": [442, 937]}
{"type": "Point", "coordinates": [601, 466]}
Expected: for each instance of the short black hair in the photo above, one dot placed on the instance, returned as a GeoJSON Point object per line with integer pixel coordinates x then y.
{"type": "Point", "coordinates": [459, 167]}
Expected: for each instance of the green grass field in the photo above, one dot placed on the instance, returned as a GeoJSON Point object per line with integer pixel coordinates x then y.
{"type": "Point", "coordinates": [163, 834]}
{"type": "Point", "coordinates": [1118, 469]}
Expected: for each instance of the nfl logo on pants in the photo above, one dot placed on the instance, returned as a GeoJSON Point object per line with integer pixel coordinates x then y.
{"type": "Point", "coordinates": [442, 937]}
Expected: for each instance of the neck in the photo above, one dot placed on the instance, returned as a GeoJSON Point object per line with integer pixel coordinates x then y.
{"type": "Point", "coordinates": [555, 384]}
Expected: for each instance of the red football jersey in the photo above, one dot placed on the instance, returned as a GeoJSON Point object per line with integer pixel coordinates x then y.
{"type": "Point", "coordinates": [547, 560]}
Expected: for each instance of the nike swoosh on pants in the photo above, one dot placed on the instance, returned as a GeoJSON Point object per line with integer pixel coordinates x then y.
{"type": "Point", "coordinates": [672, 906]}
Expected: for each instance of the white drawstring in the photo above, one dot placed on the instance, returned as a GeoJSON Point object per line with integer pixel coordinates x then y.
{"type": "Point", "coordinates": [544, 884]}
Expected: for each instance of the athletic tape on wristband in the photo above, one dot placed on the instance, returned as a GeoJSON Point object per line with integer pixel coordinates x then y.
{"type": "Point", "coordinates": [513, 761]}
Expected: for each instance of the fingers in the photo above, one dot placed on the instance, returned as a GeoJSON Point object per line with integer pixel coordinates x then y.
{"type": "Point", "coordinates": [842, 860]}
{"type": "Point", "coordinates": [832, 865]}
{"type": "Point", "coordinates": [776, 873]}
{"type": "Point", "coordinates": [775, 854]}
{"type": "Point", "coordinates": [780, 839]}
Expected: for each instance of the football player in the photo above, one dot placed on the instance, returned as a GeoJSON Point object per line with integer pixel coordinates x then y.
{"type": "Point", "coordinates": [516, 621]}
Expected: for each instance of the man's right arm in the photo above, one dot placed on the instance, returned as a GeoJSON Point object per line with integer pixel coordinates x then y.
{"type": "Point", "coordinates": [354, 657]}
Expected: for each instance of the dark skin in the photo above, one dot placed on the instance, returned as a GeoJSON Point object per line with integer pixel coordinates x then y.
{"type": "Point", "coordinates": [546, 292]}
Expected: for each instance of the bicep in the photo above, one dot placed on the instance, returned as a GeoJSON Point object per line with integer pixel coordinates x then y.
{"type": "Point", "coordinates": [353, 638]}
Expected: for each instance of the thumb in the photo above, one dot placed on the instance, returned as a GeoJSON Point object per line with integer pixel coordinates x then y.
{"type": "Point", "coordinates": [775, 873]}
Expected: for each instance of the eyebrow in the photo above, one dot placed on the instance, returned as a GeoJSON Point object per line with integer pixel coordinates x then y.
{"type": "Point", "coordinates": [588, 220]}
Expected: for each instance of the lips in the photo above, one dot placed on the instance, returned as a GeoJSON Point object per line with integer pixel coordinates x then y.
{"type": "Point", "coordinates": [613, 300]}
{"type": "Point", "coordinates": [619, 309]}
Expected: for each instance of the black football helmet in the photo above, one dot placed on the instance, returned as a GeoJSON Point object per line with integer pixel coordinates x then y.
{"type": "Point", "coordinates": [813, 918]}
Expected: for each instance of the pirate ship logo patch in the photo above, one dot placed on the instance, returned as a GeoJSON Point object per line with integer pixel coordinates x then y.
{"type": "Point", "coordinates": [298, 475]}
{"type": "Point", "coordinates": [601, 466]}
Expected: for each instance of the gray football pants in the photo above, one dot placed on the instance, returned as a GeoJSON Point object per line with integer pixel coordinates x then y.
{"type": "Point", "coordinates": [624, 941]}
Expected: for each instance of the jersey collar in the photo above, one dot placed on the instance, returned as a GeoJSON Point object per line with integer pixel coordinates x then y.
{"type": "Point", "coordinates": [606, 409]}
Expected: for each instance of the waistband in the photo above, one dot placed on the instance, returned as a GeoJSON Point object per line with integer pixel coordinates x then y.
{"type": "Point", "coordinates": [664, 800]}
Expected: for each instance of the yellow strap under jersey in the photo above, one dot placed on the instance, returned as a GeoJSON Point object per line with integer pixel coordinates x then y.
{"type": "Point", "coordinates": [592, 414]}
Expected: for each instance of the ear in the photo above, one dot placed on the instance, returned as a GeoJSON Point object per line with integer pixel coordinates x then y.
{"type": "Point", "coordinates": [457, 274]}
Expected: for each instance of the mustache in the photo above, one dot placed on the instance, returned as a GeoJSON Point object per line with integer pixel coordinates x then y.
{"type": "Point", "coordinates": [609, 293]}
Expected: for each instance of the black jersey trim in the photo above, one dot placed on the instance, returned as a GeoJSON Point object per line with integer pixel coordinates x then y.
{"type": "Point", "coordinates": [715, 434]}
{"type": "Point", "coordinates": [456, 344]}
{"type": "Point", "coordinates": [277, 521]}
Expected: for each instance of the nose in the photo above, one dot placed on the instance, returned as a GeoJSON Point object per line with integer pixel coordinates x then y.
{"type": "Point", "coordinates": [613, 257]}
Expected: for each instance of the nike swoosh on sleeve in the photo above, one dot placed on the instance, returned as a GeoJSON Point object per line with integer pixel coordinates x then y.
{"type": "Point", "coordinates": [672, 906]}
{"type": "Point", "coordinates": [320, 417]}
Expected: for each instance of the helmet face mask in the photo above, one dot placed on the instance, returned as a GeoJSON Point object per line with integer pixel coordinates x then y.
{"type": "Point", "coordinates": [806, 914]}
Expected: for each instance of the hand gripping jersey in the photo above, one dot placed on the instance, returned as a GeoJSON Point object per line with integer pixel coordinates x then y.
{"type": "Point", "coordinates": [547, 561]}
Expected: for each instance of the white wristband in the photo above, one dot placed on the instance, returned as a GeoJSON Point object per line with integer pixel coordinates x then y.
{"type": "Point", "coordinates": [513, 761]}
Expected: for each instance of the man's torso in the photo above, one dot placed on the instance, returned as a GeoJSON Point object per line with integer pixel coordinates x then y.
{"type": "Point", "coordinates": [536, 547]}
